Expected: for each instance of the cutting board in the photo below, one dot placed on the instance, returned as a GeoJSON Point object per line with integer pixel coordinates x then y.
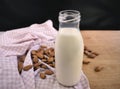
{"type": "Point", "coordinates": [107, 44]}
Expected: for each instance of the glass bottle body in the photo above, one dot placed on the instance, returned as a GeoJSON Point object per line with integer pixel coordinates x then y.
{"type": "Point", "coordinates": [69, 48]}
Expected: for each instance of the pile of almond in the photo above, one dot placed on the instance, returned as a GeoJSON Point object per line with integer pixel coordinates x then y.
{"type": "Point", "coordinates": [47, 55]}
{"type": "Point", "coordinates": [43, 54]}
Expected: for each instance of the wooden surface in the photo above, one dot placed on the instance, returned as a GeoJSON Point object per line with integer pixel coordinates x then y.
{"type": "Point", "coordinates": [107, 44]}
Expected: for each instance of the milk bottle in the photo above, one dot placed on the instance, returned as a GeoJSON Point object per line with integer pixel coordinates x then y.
{"type": "Point", "coordinates": [69, 48]}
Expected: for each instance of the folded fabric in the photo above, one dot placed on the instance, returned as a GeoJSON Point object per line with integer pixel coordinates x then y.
{"type": "Point", "coordinates": [15, 43]}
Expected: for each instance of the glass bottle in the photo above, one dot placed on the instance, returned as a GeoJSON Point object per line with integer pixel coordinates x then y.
{"type": "Point", "coordinates": [69, 48]}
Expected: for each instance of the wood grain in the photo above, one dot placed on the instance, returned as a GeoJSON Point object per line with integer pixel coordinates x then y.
{"type": "Point", "coordinates": [107, 44]}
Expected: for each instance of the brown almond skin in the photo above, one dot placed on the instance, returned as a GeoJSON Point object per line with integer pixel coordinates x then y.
{"type": "Point", "coordinates": [20, 66]}
{"type": "Point", "coordinates": [42, 75]}
{"type": "Point", "coordinates": [41, 50]}
{"type": "Point", "coordinates": [44, 60]}
{"type": "Point", "coordinates": [86, 49]}
{"type": "Point", "coordinates": [26, 68]}
{"type": "Point", "coordinates": [86, 62]}
{"type": "Point", "coordinates": [86, 52]}
{"type": "Point", "coordinates": [91, 56]}
{"type": "Point", "coordinates": [48, 72]}
{"type": "Point", "coordinates": [51, 59]}
{"type": "Point", "coordinates": [33, 52]}
{"type": "Point", "coordinates": [98, 68]}
{"type": "Point", "coordinates": [35, 60]}
{"type": "Point", "coordinates": [45, 57]}
{"type": "Point", "coordinates": [37, 64]}
{"type": "Point", "coordinates": [43, 46]}
{"type": "Point", "coordinates": [43, 66]}
{"type": "Point", "coordinates": [47, 51]}
{"type": "Point", "coordinates": [50, 65]}
{"type": "Point", "coordinates": [22, 58]}
{"type": "Point", "coordinates": [34, 56]}
{"type": "Point", "coordinates": [52, 54]}
{"type": "Point", "coordinates": [40, 55]}
{"type": "Point", "coordinates": [37, 67]}
{"type": "Point", "coordinates": [53, 65]}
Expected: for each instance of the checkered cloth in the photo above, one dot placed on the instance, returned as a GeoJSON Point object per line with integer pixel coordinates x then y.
{"type": "Point", "coordinates": [15, 43]}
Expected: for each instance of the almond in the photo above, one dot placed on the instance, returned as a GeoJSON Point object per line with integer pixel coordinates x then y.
{"type": "Point", "coordinates": [51, 59]}
{"type": "Point", "coordinates": [26, 68]}
{"type": "Point", "coordinates": [33, 52]}
{"type": "Point", "coordinates": [53, 65]}
{"type": "Point", "coordinates": [20, 66]}
{"type": "Point", "coordinates": [40, 55]}
{"type": "Point", "coordinates": [41, 50]}
{"type": "Point", "coordinates": [34, 56]}
{"type": "Point", "coordinates": [86, 52]}
{"type": "Point", "coordinates": [50, 65]}
{"type": "Point", "coordinates": [48, 72]}
{"type": "Point", "coordinates": [35, 60]}
{"type": "Point", "coordinates": [98, 68]}
{"type": "Point", "coordinates": [91, 56]}
{"type": "Point", "coordinates": [44, 60]}
{"type": "Point", "coordinates": [45, 57]}
{"type": "Point", "coordinates": [86, 62]}
{"type": "Point", "coordinates": [42, 75]}
{"type": "Point", "coordinates": [37, 67]}
{"type": "Point", "coordinates": [22, 58]}
{"type": "Point", "coordinates": [37, 64]}
{"type": "Point", "coordinates": [52, 54]}
{"type": "Point", "coordinates": [43, 66]}
{"type": "Point", "coordinates": [47, 51]}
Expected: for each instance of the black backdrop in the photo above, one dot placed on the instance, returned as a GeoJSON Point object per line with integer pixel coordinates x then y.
{"type": "Point", "coordinates": [96, 14]}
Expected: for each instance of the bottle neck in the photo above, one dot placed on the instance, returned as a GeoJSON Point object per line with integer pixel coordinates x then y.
{"type": "Point", "coordinates": [69, 25]}
{"type": "Point", "coordinates": [69, 19]}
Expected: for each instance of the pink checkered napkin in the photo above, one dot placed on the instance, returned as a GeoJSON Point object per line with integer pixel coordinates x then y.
{"type": "Point", "coordinates": [16, 42]}
{"type": "Point", "coordinates": [51, 83]}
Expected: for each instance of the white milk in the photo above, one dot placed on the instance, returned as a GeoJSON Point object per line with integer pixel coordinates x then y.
{"type": "Point", "coordinates": [68, 56]}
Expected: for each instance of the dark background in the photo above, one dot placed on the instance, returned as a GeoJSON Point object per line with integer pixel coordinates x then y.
{"type": "Point", "coordinates": [96, 14]}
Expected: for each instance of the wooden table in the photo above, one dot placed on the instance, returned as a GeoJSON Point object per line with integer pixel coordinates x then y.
{"type": "Point", "coordinates": [107, 44]}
